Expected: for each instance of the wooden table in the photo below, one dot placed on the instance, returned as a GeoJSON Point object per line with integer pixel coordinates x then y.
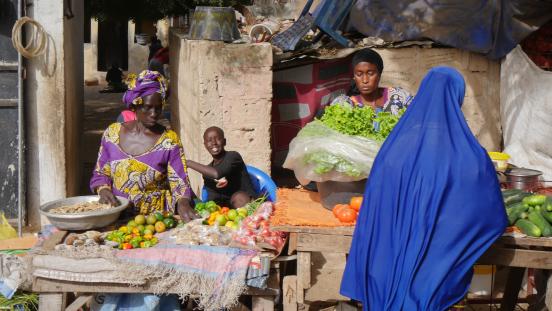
{"type": "Point", "coordinates": [53, 293]}
{"type": "Point", "coordinates": [321, 258]}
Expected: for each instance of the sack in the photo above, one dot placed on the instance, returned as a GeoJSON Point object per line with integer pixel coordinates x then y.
{"type": "Point", "coordinates": [319, 153]}
{"type": "Point", "coordinates": [525, 108]}
{"type": "Point", "coordinates": [6, 231]}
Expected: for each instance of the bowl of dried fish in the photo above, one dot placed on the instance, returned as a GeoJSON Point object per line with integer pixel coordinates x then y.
{"type": "Point", "coordinates": [82, 213]}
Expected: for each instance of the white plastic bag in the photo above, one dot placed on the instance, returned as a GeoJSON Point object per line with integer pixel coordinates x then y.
{"type": "Point", "coordinates": [320, 154]}
{"type": "Point", "coordinates": [526, 112]}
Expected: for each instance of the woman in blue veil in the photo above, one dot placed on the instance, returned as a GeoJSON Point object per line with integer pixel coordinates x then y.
{"type": "Point", "coordinates": [431, 208]}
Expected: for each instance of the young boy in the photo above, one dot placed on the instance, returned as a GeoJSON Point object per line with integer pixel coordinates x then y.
{"type": "Point", "coordinates": [225, 178]}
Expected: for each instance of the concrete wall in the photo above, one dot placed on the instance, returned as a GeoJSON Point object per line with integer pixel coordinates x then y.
{"type": "Point", "coordinates": [227, 85]}
{"type": "Point", "coordinates": [137, 54]}
{"type": "Point", "coordinates": [53, 89]}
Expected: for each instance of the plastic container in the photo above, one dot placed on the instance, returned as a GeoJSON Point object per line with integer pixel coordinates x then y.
{"type": "Point", "coordinates": [214, 23]}
{"type": "Point", "coordinates": [500, 160]}
{"type": "Point", "coordinates": [336, 192]}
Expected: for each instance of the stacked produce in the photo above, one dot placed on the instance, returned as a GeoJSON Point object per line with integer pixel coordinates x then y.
{"type": "Point", "coordinates": [348, 213]}
{"type": "Point", "coordinates": [224, 216]}
{"type": "Point", "coordinates": [531, 213]}
{"type": "Point", "coordinates": [341, 146]}
{"type": "Point", "coordinates": [140, 232]}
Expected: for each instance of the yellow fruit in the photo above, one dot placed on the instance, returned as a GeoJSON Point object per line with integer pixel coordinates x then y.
{"type": "Point", "coordinates": [142, 244]}
{"type": "Point", "coordinates": [151, 219]}
{"type": "Point", "coordinates": [123, 229]}
{"type": "Point", "coordinates": [136, 231]}
{"type": "Point", "coordinates": [150, 227]}
{"type": "Point", "coordinates": [160, 227]}
{"type": "Point", "coordinates": [140, 219]}
{"type": "Point", "coordinates": [128, 238]}
{"type": "Point", "coordinates": [148, 236]}
{"type": "Point", "coordinates": [148, 231]}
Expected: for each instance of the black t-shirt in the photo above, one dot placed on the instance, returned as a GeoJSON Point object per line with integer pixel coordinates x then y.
{"type": "Point", "coordinates": [233, 168]}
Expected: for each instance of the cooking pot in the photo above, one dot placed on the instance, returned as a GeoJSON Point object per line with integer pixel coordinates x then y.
{"type": "Point", "coordinates": [522, 178]}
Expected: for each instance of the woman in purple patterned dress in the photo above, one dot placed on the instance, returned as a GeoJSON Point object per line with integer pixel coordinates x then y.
{"type": "Point", "coordinates": [141, 160]}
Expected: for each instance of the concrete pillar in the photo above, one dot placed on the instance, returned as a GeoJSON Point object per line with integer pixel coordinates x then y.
{"type": "Point", "coordinates": [53, 103]}
{"type": "Point", "coordinates": [226, 85]}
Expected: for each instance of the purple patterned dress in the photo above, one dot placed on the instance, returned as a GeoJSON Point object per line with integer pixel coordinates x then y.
{"type": "Point", "coordinates": [152, 181]}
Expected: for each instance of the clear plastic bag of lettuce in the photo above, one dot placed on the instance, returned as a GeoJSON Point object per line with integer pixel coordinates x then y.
{"type": "Point", "coordinates": [319, 153]}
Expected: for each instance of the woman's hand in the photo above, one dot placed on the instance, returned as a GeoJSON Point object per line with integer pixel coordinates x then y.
{"type": "Point", "coordinates": [185, 210]}
{"type": "Point", "coordinates": [107, 197]}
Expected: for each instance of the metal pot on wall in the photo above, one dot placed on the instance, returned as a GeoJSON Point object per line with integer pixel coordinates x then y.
{"type": "Point", "coordinates": [214, 23]}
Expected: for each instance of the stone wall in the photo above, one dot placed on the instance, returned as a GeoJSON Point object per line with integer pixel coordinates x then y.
{"type": "Point", "coordinates": [225, 85]}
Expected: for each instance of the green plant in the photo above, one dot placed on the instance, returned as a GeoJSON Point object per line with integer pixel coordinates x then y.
{"type": "Point", "coordinates": [20, 301]}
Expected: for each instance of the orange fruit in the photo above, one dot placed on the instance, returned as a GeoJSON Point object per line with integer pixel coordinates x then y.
{"type": "Point", "coordinates": [356, 203]}
{"type": "Point", "coordinates": [160, 227]}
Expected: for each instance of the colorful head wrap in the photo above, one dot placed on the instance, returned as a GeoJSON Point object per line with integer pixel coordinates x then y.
{"type": "Point", "coordinates": [147, 83]}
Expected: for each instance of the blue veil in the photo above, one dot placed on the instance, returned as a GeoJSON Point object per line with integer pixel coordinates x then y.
{"type": "Point", "coordinates": [432, 207]}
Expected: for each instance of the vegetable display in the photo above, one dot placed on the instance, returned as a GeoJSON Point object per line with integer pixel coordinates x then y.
{"type": "Point", "coordinates": [531, 213]}
{"type": "Point", "coordinates": [140, 232]}
{"type": "Point", "coordinates": [224, 216]}
{"type": "Point", "coordinates": [340, 146]}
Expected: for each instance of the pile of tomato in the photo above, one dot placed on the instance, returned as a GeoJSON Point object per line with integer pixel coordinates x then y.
{"type": "Point", "coordinates": [348, 213]}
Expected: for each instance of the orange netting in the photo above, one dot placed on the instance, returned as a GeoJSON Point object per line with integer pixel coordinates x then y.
{"type": "Point", "coordinates": [296, 207]}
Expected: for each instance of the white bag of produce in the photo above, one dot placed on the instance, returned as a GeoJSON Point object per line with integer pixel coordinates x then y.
{"type": "Point", "coordinates": [319, 153]}
{"type": "Point", "coordinates": [526, 112]}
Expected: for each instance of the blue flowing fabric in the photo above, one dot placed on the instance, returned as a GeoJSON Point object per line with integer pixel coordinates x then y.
{"type": "Point", "coordinates": [431, 208]}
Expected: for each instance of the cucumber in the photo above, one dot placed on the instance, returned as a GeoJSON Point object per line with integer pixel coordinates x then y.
{"type": "Point", "coordinates": [515, 205]}
{"type": "Point", "coordinates": [514, 213]}
{"type": "Point", "coordinates": [528, 228]}
{"type": "Point", "coordinates": [535, 199]}
{"type": "Point", "coordinates": [514, 198]}
{"type": "Point", "coordinates": [547, 215]}
{"type": "Point", "coordinates": [509, 192]}
{"type": "Point", "coordinates": [538, 219]}
{"type": "Point", "coordinates": [548, 205]}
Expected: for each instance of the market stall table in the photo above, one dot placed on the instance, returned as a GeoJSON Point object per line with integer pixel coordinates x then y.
{"type": "Point", "coordinates": [321, 256]}
{"type": "Point", "coordinates": [52, 292]}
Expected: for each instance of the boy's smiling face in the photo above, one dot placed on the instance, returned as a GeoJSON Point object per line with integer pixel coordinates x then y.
{"type": "Point", "coordinates": [214, 142]}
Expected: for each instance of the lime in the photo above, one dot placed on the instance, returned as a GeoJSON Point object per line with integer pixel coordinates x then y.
{"type": "Point", "coordinates": [199, 206]}
{"type": "Point", "coordinates": [123, 229]}
{"type": "Point", "coordinates": [221, 220]}
{"type": "Point", "coordinates": [147, 244]}
{"type": "Point", "coordinates": [131, 223]}
{"type": "Point", "coordinates": [140, 219]}
{"type": "Point", "coordinates": [141, 229]}
{"type": "Point", "coordinates": [151, 219]}
{"type": "Point", "coordinates": [159, 216]}
{"type": "Point", "coordinates": [232, 214]}
{"type": "Point", "coordinates": [148, 231]}
{"type": "Point", "coordinates": [239, 219]}
{"type": "Point", "coordinates": [168, 215]}
{"type": "Point", "coordinates": [150, 227]}
{"type": "Point", "coordinates": [169, 222]}
{"type": "Point", "coordinates": [242, 211]}
{"type": "Point", "coordinates": [229, 224]}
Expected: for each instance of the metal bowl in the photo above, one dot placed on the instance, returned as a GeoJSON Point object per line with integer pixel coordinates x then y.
{"type": "Point", "coordinates": [82, 221]}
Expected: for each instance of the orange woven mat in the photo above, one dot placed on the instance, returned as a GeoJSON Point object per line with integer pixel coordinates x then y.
{"type": "Point", "coordinates": [297, 207]}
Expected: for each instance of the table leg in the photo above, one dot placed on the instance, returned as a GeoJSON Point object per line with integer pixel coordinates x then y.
{"type": "Point", "coordinates": [511, 292]}
{"type": "Point", "coordinates": [289, 294]}
{"type": "Point", "coordinates": [52, 301]}
{"type": "Point", "coordinates": [263, 303]}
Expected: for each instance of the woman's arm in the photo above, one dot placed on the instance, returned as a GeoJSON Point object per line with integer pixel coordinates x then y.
{"type": "Point", "coordinates": [101, 181]}
{"type": "Point", "coordinates": [179, 182]}
{"type": "Point", "coordinates": [205, 170]}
